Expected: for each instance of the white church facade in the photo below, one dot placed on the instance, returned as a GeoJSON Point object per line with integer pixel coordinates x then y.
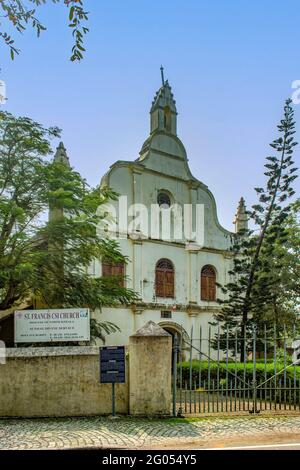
{"type": "Point", "coordinates": [175, 277]}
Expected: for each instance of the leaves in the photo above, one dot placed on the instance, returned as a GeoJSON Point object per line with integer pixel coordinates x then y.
{"type": "Point", "coordinates": [20, 16]}
{"type": "Point", "coordinates": [266, 266]}
{"type": "Point", "coordinates": [50, 259]}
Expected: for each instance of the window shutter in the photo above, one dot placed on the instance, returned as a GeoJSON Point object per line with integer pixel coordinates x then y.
{"type": "Point", "coordinates": [159, 283]}
{"type": "Point", "coordinates": [117, 269]}
{"type": "Point", "coordinates": [164, 279]}
{"type": "Point", "coordinates": [211, 288]}
{"type": "Point", "coordinates": [109, 269]}
{"type": "Point", "coordinates": [204, 289]}
{"type": "Point", "coordinates": [208, 283]}
{"type": "Point", "coordinates": [169, 284]}
{"type": "Point", "coordinates": [106, 269]}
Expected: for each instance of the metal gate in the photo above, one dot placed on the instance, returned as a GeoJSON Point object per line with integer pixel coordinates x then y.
{"type": "Point", "coordinates": [224, 373]}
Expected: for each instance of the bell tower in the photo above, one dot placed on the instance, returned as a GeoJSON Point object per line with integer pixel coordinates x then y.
{"type": "Point", "coordinates": [241, 217]}
{"type": "Point", "coordinates": [163, 110]}
{"type": "Point", "coordinates": [60, 156]}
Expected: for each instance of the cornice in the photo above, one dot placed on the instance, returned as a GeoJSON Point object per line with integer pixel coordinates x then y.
{"type": "Point", "coordinates": [190, 309]}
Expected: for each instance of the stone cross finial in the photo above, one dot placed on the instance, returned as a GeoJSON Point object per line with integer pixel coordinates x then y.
{"type": "Point", "coordinates": [162, 75]}
{"type": "Point", "coordinates": [241, 217]}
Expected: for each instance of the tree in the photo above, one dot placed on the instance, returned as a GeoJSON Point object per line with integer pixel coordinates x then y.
{"type": "Point", "coordinates": [257, 268]}
{"type": "Point", "coordinates": [277, 287]}
{"type": "Point", "coordinates": [50, 259]}
{"type": "Point", "coordinates": [20, 14]}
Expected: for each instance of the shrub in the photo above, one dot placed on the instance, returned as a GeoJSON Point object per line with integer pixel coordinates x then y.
{"type": "Point", "coordinates": [233, 382]}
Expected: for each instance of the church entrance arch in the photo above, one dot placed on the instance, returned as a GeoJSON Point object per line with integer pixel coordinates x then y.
{"type": "Point", "coordinates": [177, 330]}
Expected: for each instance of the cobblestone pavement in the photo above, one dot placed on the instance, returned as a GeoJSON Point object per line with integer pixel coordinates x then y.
{"type": "Point", "coordinates": [98, 432]}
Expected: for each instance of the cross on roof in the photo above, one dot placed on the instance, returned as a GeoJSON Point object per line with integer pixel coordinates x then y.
{"type": "Point", "coordinates": [162, 75]}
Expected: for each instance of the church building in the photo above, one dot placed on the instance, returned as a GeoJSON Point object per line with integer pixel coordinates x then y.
{"type": "Point", "coordinates": [176, 278]}
{"type": "Point", "coordinates": [166, 224]}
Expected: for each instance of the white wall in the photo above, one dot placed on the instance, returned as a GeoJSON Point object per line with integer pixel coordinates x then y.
{"type": "Point", "coordinates": [163, 166]}
{"type": "Point", "coordinates": [129, 322]}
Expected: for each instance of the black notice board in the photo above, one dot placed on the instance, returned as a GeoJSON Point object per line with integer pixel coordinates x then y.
{"type": "Point", "coordinates": [112, 364]}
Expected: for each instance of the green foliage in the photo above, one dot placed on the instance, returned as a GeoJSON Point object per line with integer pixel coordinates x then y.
{"type": "Point", "coordinates": [50, 260]}
{"type": "Point", "coordinates": [264, 280]}
{"type": "Point", "coordinates": [23, 146]}
{"type": "Point", "coordinates": [99, 328]}
{"type": "Point", "coordinates": [21, 14]}
{"type": "Point", "coordinates": [280, 356]}
{"type": "Point", "coordinates": [237, 379]}
{"type": "Point", "coordinates": [233, 369]}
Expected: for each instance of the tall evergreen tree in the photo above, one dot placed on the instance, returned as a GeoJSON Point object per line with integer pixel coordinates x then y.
{"type": "Point", "coordinates": [252, 278]}
{"type": "Point", "coordinates": [277, 286]}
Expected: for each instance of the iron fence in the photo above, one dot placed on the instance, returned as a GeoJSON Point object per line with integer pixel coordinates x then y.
{"type": "Point", "coordinates": [225, 372]}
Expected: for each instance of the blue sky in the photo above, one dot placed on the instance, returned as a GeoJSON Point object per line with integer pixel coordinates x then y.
{"type": "Point", "coordinates": [230, 64]}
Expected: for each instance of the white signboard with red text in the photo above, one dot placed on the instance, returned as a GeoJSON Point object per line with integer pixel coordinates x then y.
{"type": "Point", "coordinates": [67, 324]}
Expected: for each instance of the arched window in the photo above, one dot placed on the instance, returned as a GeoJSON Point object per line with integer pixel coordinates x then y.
{"type": "Point", "coordinates": [163, 200]}
{"type": "Point", "coordinates": [164, 278]}
{"type": "Point", "coordinates": [113, 269]}
{"type": "Point", "coordinates": [208, 283]}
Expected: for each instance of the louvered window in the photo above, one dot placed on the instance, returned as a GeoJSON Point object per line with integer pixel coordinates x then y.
{"type": "Point", "coordinates": [113, 269]}
{"type": "Point", "coordinates": [208, 283]}
{"type": "Point", "coordinates": [164, 278]}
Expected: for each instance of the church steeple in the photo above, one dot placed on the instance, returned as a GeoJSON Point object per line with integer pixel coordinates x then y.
{"type": "Point", "coordinates": [61, 155]}
{"type": "Point", "coordinates": [241, 217]}
{"type": "Point", "coordinates": [163, 110]}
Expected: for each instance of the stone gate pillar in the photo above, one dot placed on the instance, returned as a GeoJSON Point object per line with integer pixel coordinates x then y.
{"type": "Point", "coordinates": [150, 359]}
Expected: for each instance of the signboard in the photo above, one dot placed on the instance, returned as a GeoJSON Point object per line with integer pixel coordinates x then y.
{"type": "Point", "coordinates": [112, 364]}
{"type": "Point", "coordinates": [67, 324]}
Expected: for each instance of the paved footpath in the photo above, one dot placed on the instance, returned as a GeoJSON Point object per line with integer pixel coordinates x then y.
{"type": "Point", "coordinates": [100, 432]}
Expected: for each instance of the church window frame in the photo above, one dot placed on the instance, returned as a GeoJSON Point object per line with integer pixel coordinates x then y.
{"type": "Point", "coordinates": [109, 269]}
{"type": "Point", "coordinates": [208, 288]}
{"type": "Point", "coordinates": [164, 279]}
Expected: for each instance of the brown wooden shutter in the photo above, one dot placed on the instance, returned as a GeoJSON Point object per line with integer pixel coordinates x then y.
{"type": "Point", "coordinates": [119, 270]}
{"type": "Point", "coordinates": [106, 269]}
{"type": "Point", "coordinates": [211, 288]}
{"type": "Point", "coordinates": [159, 284]}
{"type": "Point", "coordinates": [169, 284]}
{"type": "Point", "coordinates": [204, 287]}
{"type": "Point", "coordinates": [164, 279]}
{"type": "Point", "coordinates": [109, 269]}
{"type": "Point", "coordinates": [208, 283]}
{"type": "Point", "coordinates": [116, 270]}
